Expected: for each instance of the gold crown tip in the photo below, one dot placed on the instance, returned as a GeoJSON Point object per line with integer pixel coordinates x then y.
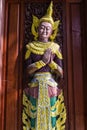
{"type": "Point", "coordinates": [51, 3]}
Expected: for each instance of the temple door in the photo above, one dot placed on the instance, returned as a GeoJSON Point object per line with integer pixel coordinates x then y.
{"type": "Point", "coordinates": [15, 22]}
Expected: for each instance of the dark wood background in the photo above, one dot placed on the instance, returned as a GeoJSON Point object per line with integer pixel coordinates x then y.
{"type": "Point", "coordinates": [74, 46]}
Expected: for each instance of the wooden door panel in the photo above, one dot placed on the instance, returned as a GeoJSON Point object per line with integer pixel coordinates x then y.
{"type": "Point", "coordinates": [77, 67]}
{"type": "Point", "coordinates": [12, 67]}
{"type": "Point", "coordinates": [74, 67]}
{"type": "Point", "coordinates": [13, 64]}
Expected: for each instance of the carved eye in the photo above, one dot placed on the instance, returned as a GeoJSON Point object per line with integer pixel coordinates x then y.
{"type": "Point", "coordinates": [48, 28]}
{"type": "Point", "coordinates": [41, 27]}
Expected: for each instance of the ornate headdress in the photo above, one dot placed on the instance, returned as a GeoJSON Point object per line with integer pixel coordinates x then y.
{"type": "Point", "coordinates": [46, 18]}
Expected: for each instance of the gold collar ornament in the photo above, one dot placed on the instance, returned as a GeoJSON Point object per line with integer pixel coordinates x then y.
{"type": "Point", "coordinates": [39, 48]}
{"type": "Point", "coordinates": [46, 18]}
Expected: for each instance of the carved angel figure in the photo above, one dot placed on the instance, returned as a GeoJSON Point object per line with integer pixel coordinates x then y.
{"type": "Point", "coordinates": [43, 101]}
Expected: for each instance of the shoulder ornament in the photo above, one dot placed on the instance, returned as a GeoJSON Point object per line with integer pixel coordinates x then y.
{"type": "Point", "coordinates": [27, 54]}
{"type": "Point", "coordinates": [55, 49]}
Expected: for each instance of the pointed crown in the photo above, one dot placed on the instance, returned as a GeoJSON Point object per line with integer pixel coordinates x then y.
{"type": "Point", "coordinates": [48, 16]}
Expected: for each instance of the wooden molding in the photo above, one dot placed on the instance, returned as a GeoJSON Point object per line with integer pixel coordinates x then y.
{"type": "Point", "coordinates": [74, 1]}
{"type": "Point", "coordinates": [74, 67]}
{"type": "Point", "coordinates": [2, 5]}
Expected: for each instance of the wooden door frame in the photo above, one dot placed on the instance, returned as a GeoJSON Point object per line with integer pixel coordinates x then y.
{"type": "Point", "coordinates": [73, 109]}
{"type": "Point", "coordinates": [2, 96]}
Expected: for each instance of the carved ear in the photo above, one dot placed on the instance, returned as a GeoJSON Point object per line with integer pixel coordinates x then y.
{"type": "Point", "coordinates": [55, 30]}
{"type": "Point", "coordinates": [56, 24]}
{"type": "Point", "coordinates": [35, 20]}
{"type": "Point", "coordinates": [34, 27]}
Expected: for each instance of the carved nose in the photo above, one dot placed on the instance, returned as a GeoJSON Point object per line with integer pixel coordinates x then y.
{"type": "Point", "coordinates": [44, 29]}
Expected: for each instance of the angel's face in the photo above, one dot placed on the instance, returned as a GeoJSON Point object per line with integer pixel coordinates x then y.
{"type": "Point", "coordinates": [45, 30]}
